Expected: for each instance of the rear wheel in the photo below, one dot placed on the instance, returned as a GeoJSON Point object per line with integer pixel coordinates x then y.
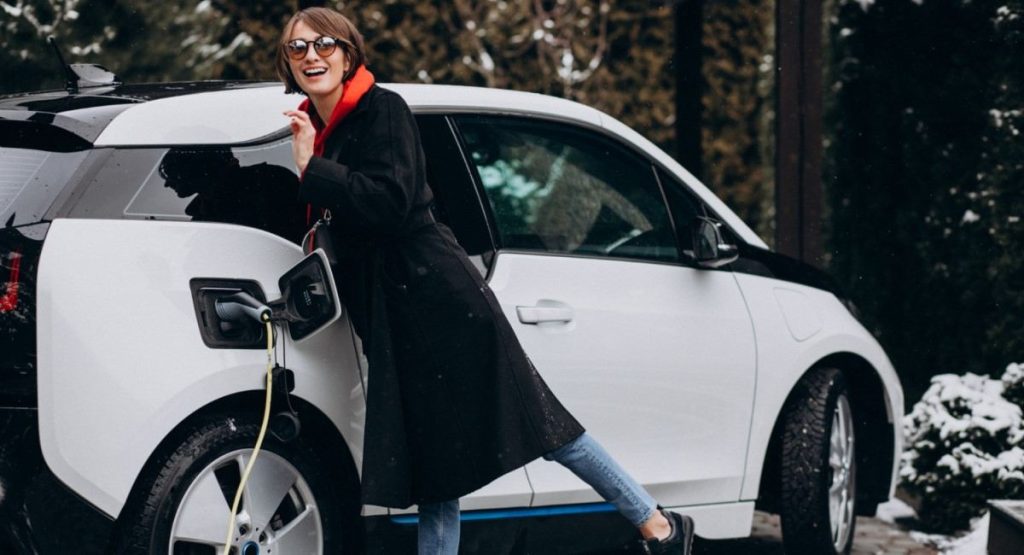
{"type": "Point", "coordinates": [293, 503]}
{"type": "Point", "coordinates": [818, 470]}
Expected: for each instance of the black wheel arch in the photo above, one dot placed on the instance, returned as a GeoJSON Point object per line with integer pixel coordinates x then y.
{"type": "Point", "coordinates": [872, 419]}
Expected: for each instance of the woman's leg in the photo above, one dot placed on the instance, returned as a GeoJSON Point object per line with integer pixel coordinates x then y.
{"type": "Point", "coordinates": [585, 457]}
{"type": "Point", "coordinates": [438, 531]}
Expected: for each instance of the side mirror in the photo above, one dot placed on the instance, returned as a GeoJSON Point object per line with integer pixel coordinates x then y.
{"type": "Point", "coordinates": [709, 249]}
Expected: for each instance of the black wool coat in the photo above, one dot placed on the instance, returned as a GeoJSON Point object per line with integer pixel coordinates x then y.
{"type": "Point", "coordinates": [453, 402]}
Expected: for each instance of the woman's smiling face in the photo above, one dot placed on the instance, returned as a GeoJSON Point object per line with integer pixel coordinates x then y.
{"type": "Point", "coordinates": [318, 76]}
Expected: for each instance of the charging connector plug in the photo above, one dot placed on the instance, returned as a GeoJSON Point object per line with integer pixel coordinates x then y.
{"type": "Point", "coordinates": [240, 306]}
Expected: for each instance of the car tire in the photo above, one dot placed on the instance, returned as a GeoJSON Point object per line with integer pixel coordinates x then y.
{"type": "Point", "coordinates": [172, 501]}
{"type": "Point", "coordinates": [818, 467]}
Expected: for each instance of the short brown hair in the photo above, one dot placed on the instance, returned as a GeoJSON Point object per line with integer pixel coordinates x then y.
{"type": "Point", "coordinates": [328, 23]}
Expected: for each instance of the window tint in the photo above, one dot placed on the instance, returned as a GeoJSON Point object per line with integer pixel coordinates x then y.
{"type": "Point", "coordinates": [30, 180]}
{"type": "Point", "coordinates": [254, 186]}
{"type": "Point", "coordinates": [556, 188]}
{"type": "Point", "coordinates": [456, 200]}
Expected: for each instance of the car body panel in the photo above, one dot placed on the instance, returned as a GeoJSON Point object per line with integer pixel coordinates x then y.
{"type": "Point", "coordinates": [783, 360]}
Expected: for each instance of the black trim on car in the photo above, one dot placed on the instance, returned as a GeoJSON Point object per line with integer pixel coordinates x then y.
{"type": "Point", "coordinates": [41, 515]}
{"type": "Point", "coordinates": [765, 263]}
{"type": "Point", "coordinates": [43, 132]}
{"type": "Point", "coordinates": [18, 315]}
{"type": "Point", "coordinates": [484, 205]}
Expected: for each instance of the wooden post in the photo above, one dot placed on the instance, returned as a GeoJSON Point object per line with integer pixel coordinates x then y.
{"type": "Point", "coordinates": [688, 16]}
{"type": "Point", "coordinates": [798, 188]}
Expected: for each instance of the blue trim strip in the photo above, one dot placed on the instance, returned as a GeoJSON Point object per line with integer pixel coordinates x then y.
{"type": "Point", "coordinates": [526, 512]}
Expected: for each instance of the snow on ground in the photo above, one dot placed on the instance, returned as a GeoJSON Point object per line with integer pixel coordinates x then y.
{"type": "Point", "coordinates": [971, 543]}
{"type": "Point", "coordinates": [894, 509]}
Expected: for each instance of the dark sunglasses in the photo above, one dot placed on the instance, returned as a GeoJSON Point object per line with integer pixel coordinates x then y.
{"type": "Point", "coordinates": [324, 46]}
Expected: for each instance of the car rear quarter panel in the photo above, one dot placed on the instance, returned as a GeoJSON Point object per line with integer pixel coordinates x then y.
{"type": "Point", "coordinates": [795, 327]}
{"type": "Point", "coordinates": [121, 360]}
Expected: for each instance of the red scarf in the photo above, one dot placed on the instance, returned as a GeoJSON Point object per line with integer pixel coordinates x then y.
{"type": "Point", "coordinates": [355, 88]}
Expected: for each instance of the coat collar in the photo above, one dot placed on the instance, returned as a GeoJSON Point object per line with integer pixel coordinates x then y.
{"type": "Point", "coordinates": [364, 102]}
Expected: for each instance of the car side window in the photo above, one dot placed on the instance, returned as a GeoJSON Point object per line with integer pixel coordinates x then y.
{"type": "Point", "coordinates": [686, 206]}
{"type": "Point", "coordinates": [253, 186]}
{"type": "Point", "coordinates": [556, 188]}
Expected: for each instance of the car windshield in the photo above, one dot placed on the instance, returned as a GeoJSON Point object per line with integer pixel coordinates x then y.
{"type": "Point", "coordinates": [30, 180]}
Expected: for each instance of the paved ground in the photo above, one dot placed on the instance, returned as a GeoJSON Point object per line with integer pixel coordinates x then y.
{"type": "Point", "coordinates": [874, 537]}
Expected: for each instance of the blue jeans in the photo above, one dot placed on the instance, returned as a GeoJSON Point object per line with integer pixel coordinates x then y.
{"type": "Point", "coordinates": [438, 531]}
{"type": "Point", "coordinates": [439, 522]}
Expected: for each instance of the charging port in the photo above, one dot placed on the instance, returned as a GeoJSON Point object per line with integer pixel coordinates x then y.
{"type": "Point", "coordinates": [223, 333]}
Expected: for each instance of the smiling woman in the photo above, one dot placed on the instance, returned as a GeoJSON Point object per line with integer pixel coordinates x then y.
{"type": "Point", "coordinates": [453, 402]}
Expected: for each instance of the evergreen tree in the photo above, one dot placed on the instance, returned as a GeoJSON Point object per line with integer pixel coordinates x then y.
{"type": "Point", "coordinates": [83, 28]}
{"type": "Point", "coordinates": [1002, 177]}
{"type": "Point", "coordinates": [738, 123]}
{"type": "Point", "coordinates": [911, 136]}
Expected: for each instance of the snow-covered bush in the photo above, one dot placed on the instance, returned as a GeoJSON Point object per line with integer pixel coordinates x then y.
{"type": "Point", "coordinates": [964, 445]}
{"type": "Point", "coordinates": [1013, 384]}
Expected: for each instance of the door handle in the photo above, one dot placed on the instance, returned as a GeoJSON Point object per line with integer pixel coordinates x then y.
{"type": "Point", "coordinates": [544, 313]}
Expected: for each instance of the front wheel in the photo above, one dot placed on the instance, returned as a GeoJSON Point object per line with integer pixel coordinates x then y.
{"type": "Point", "coordinates": [293, 502]}
{"type": "Point", "coordinates": [818, 481]}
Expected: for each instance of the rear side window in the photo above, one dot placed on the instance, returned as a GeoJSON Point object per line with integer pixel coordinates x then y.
{"type": "Point", "coordinates": [30, 181]}
{"type": "Point", "coordinates": [556, 188]}
{"type": "Point", "coordinates": [255, 186]}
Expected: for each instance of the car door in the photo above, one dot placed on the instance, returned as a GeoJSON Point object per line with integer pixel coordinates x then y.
{"type": "Point", "coordinates": [654, 356]}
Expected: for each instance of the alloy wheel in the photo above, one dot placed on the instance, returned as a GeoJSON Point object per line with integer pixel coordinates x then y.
{"type": "Point", "coordinates": [277, 513]}
{"type": "Point", "coordinates": [841, 493]}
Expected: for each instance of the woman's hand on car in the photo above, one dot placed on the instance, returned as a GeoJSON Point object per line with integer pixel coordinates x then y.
{"type": "Point", "coordinates": [303, 135]}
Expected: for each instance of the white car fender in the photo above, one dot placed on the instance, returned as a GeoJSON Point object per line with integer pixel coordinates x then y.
{"type": "Point", "coordinates": [788, 346]}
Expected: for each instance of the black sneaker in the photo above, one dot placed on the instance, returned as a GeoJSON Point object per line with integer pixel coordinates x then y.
{"type": "Point", "coordinates": [678, 542]}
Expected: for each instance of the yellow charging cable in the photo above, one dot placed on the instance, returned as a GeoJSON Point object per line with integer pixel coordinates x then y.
{"type": "Point", "coordinates": [259, 438]}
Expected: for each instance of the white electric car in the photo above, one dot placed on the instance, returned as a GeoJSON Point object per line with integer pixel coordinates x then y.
{"type": "Point", "coordinates": [721, 375]}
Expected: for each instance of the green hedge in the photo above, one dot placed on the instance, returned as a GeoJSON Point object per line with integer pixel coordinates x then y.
{"type": "Point", "coordinates": [924, 178]}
